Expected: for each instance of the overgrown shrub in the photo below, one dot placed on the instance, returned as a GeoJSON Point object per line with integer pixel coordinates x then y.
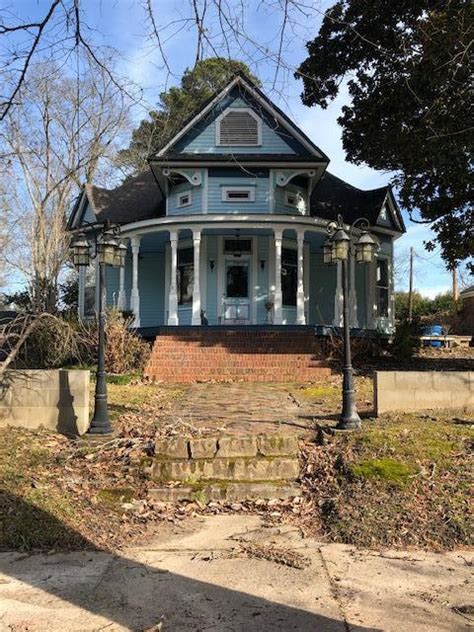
{"type": "Point", "coordinates": [125, 351]}
{"type": "Point", "coordinates": [54, 342]}
{"type": "Point", "coordinates": [51, 343]}
{"type": "Point", "coordinates": [405, 341]}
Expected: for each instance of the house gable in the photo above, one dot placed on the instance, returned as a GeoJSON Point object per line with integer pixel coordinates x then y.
{"type": "Point", "coordinates": [389, 216]}
{"type": "Point", "coordinates": [277, 134]}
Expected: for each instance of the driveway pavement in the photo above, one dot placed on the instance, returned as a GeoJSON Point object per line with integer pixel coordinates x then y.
{"type": "Point", "coordinates": [209, 575]}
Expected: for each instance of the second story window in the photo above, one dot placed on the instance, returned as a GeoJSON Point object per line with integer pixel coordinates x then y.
{"type": "Point", "coordinates": [184, 199]}
{"type": "Point", "coordinates": [238, 194]}
{"type": "Point", "coordinates": [238, 127]}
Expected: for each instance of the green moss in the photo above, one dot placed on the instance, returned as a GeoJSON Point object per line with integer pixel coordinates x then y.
{"type": "Point", "coordinates": [388, 470]}
{"type": "Point", "coordinates": [199, 496]}
{"type": "Point", "coordinates": [116, 495]}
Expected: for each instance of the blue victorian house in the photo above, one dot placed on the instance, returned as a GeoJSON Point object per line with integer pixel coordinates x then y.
{"type": "Point", "coordinates": [226, 228]}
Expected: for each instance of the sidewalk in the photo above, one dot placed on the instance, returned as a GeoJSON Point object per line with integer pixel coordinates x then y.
{"type": "Point", "coordinates": [209, 575]}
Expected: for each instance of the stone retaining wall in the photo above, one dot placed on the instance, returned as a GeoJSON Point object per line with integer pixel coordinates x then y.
{"type": "Point", "coordinates": [423, 390]}
{"type": "Point", "coordinates": [54, 399]}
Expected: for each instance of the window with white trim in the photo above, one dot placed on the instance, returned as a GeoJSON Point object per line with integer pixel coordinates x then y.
{"type": "Point", "coordinates": [238, 127]}
{"type": "Point", "coordinates": [382, 288]}
{"type": "Point", "coordinates": [238, 194]}
{"type": "Point", "coordinates": [184, 199]}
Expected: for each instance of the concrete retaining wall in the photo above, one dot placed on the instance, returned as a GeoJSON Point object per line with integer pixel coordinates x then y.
{"type": "Point", "coordinates": [423, 390]}
{"type": "Point", "coordinates": [57, 399]}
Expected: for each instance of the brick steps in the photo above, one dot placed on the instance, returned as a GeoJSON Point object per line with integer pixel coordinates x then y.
{"type": "Point", "coordinates": [250, 356]}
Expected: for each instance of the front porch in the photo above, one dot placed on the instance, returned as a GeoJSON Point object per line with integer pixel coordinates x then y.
{"type": "Point", "coordinates": [237, 274]}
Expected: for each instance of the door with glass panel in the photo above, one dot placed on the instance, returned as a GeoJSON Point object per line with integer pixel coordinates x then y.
{"type": "Point", "coordinates": [236, 308]}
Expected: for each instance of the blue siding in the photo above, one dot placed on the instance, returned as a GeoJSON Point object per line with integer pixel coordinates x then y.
{"type": "Point", "coordinates": [196, 200]}
{"type": "Point", "coordinates": [185, 314]}
{"type": "Point", "coordinates": [322, 285]}
{"type": "Point", "coordinates": [280, 199]}
{"type": "Point", "coordinates": [361, 293]}
{"type": "Point", "coordinates": [112, 281]}
{"type": "Point", "coordinates": [263, 249]}
{"type": "Point", "coordinates": [202, 138]}
{"type": "Point", "coordinates": [211, 287]}
{"type": "Point", "coordinates": [151, 285]}
{"type": "Point", "coordinates": [216, 183]}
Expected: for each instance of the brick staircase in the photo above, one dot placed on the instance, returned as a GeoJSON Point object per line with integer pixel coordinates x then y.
{"type": "Point", "coordinates": [248, 355]}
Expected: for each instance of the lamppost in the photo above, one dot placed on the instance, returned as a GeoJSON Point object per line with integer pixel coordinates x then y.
{"type": "Point", "coordinates": [108, 250]}
{"type": "Point", "coordinates": [337, 247]}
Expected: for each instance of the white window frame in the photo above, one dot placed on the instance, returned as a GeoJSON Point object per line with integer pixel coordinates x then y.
{"type": "Point", "coordinates": [228, 189]}
{"type": "Point", "coordinates": [181, 195]}
{"type": "Point", "coordinates": [248, 111]}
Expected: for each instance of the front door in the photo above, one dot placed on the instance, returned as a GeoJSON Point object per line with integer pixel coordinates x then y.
{"type": "Point", "coordinates": [236, 308]}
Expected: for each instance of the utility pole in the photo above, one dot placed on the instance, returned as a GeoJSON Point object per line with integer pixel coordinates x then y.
{"type": "Point", "coordinates": [410, 290]}
{"type": "Point", "coordinates": [455, 285]}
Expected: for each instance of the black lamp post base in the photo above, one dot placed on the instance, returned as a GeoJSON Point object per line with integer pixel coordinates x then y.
{"type": "Point", "coordinates": [100, 429]}
{"type": "Point", "coordinates": [349, 422]}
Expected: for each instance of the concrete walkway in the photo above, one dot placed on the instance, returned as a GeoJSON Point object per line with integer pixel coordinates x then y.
{"type": "Point", "coordinates": [197, 578]}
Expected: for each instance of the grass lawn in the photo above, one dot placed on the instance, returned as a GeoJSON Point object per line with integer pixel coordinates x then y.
{"type": "Point", "coordinates": [404, 480]}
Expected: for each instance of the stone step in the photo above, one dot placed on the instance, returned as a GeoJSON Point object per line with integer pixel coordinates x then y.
{"type": "Point", "coordinates": [227, 469]}
{"type": "Point", "coordinates": [225, 492]}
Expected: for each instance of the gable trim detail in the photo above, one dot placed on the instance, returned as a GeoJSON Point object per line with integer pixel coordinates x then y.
{"type": "Point", "coordinates": [264, 102]}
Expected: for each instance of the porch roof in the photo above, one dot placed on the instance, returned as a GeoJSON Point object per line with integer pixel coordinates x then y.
{"type": "Point", "coordinates": [140, 198]}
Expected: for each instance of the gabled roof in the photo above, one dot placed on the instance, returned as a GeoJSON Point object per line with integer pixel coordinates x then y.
{"type": "Point", "coordinates": [332, 196]}
{"type": "Point", "coordinates": [248, 85]}
{"type": "Point", "coordinates": [138, 198]}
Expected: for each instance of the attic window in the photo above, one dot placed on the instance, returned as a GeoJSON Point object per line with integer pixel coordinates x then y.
{"type": "Point", "coordinates": [238, 127]}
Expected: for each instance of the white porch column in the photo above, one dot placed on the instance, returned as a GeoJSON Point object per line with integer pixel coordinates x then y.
{"type": "Point", "coordinates": [300, 315]}
{"type": "Point", "coordinates": [278, 299]}
{"type": "Point", "coordinates": [338, 297]}
{"type": "Point", "coordinates": [352, 291]}
{"type": "Point", "coordinates": [173, 295]}
{"type": "Point", "coordinates": [134, 294]}
{"type": "Point", "coordinates": [121, 301]}
{"type": "Point", "coordinates": [196, 319]}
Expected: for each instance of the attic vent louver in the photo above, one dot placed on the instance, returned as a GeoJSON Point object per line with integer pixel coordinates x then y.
{"type": "Point", "coordinates": [238, 127]}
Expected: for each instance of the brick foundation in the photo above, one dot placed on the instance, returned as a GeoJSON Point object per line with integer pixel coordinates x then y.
{"type": "Point", "coordinates": [202, 354]}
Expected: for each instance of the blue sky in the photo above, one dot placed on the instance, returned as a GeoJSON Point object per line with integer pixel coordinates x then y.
{"type": "Point", "coordinates": [122, 24]}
